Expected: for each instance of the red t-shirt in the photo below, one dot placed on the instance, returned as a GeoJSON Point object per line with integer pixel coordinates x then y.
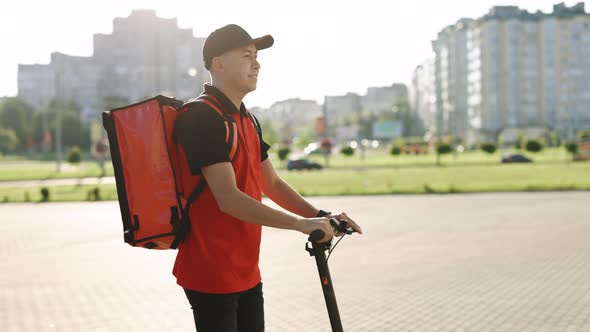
{"type": "Point", "coordinates": [220, 253]}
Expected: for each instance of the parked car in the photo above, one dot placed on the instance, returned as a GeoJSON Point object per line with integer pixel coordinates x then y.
{"type": "Point", "coordinates": [515, 158]}
{"type": "Point", "coordinates": [302, 164]}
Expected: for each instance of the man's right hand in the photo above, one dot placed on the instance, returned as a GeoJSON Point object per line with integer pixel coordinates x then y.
{"type": "Point", "coordinates": [308, 225]}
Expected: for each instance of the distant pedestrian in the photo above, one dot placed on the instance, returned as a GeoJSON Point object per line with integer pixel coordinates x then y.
{"type": "Point", "coordinates": [101, 150]}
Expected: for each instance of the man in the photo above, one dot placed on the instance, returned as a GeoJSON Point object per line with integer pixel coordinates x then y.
{"type": "Point", "coordinates": [217, 263]}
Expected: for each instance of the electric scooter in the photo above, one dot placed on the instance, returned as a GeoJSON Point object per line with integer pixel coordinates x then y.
{"type": "Point", "coordinates": [318, 250]}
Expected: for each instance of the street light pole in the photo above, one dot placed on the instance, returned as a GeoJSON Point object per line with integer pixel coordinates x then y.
{"type": "Point", "coordinates": [58, 139]}
{"type": "Point", "coordinates": [58, 152]}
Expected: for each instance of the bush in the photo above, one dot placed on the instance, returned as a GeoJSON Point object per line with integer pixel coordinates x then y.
{"type": "Point", "coordinates": [489, 147]}
{"type": "Point", "coordinates": [44, 194]}
{"type": "Point", "coordinates": [429, 189]}
{"type": "Point", "coordinates": [93, 194]}
{"type": "Point", "coordinates": [533, 146]}
{"type": "Point", "coordinates": [443, 148]}
{"type": "Point", "coordinates": [283, 153]}
{"type": "Point", "coordinates": [571, 147]}
{"type": "Point", "coordinates": [396, 150]}
{"type": "Point", "coordinates": [347, 151]}
{"type": "Point", "coordinates": [74, 155]}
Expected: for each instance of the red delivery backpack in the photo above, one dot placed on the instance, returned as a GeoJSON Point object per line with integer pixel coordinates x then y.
{"type": "Point", "coordinates": [148, 166]}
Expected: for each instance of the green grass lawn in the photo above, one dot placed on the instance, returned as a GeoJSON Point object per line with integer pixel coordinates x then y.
{"type": "Point", "coordinates": [401, 180]}
{"type": "Point", "coordinates": [15, 170]}
{"type": "Point", "coordinates": [382, 158]}
{"type": "Point", "coordinates": [444, 179]}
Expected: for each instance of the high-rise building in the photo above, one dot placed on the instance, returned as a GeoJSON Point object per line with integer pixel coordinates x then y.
{"type": "Point", "coordinates": [290, 115]}
{"type": "Point", "coordinates": [384, 99]}
{"type": "Point", "coordinates": [339, 107]}
{"type": "Point", "coordinates": [514, 69]}
{"type": "Point", "coordinates": [504, 71]}
{"type": "Point", "coordinates": [343, 112]}
{"type": "Point", "coordinates": [375, 101]}
{"type": "Point", "coordinates": [450, 72]}
{"type": "Point", "coordinates": [423, 96]}
{"type": "Point", "coordinates": [144, 56]}
{"type": "Point", "coordinates": [295, 111]}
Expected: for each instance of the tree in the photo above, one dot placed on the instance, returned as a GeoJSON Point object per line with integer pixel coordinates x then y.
{"type": "Point", "coordinates": [533, 146]}
{"type": "Point", "coordinates": [73, 131]}
{"type": "Point", "coordinates": [554, 139]}
{"type": "Point", "coordinates": [442, 148]}
{"type": "Point", "coordinates": [584, 135]}
{"type": "Point", "coordinates": [269, 134]}
{"type": "Point", "coordinates": [8, 140]}
{"type": "Point", "coordinates": [37, 124]}
{"type": "Point", "coordinates": [17, 115]}
{"type": "Point", "coordinates": [395, 150]}
{"type": "Point", "coordinates": [489, 147]}
{"type": "Point", "coordinates": [501, 141]}
{"type": "Point", "coordinates": [520, 139]}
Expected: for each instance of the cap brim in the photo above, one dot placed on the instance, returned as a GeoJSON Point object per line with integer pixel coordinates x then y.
{"type": "Point", "coordinates": [264, 42]}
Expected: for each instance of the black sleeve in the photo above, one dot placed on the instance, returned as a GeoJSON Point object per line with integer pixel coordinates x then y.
{"type": "Point", "coordinates": [201, 134]}
{"type": "Point", "coordinates": [263, 146]}
{"type": "Point", "coordinates": [263, 149]}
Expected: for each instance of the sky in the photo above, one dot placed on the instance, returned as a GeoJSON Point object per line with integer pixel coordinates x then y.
{"type": "Point", "coordinates": [322, 47]}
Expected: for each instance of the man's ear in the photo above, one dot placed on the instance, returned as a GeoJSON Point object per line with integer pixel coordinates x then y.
{"type": "Point", "coordinates": [217, 64]}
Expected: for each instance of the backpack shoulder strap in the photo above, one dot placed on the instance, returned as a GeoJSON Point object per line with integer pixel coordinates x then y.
{"type": "Point", "coordinates": [185, 224]}
{"type": "Point", "coordinates": [231, 138]}
{"type": "Point", "coordinates": [231, 128]}
{"type": "Point", "coordinates": [210, 101]}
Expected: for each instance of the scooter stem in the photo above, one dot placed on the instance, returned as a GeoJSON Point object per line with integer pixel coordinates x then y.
{"type": "Point", "coordinates": [318, 250]}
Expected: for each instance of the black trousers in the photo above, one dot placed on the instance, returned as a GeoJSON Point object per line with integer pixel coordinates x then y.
{"type": "Point", "coordinates": [234, 312]}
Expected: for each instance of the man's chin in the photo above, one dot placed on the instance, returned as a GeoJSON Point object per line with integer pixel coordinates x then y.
{"type": "Point", "coordinates": [251, 87]}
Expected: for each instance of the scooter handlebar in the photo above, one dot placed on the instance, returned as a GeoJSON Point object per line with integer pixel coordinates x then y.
{"type": "Point", "coordinates": [337, 227]}
{"type": "Point", "coordinates": [316, 235]}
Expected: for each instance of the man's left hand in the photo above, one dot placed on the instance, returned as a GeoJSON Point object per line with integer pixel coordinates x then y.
{"type": "Point", "coordinates": [351, 223]}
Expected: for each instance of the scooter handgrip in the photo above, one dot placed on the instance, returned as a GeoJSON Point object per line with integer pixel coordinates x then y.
{"type": "Point", "coordinates": [316, 235]}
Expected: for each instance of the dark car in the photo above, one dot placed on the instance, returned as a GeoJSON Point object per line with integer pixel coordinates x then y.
{"type": "Point", "coordinates": [515, 158]}
{"type": "Point", "coordinates": [302, 164]}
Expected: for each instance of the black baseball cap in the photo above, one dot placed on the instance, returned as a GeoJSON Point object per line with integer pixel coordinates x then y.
{"type": "Point", "coordinates": [228, 38]}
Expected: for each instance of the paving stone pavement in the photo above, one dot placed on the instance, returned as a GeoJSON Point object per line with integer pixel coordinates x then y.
{"type": "Point", "coordinates": [485, 262]}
